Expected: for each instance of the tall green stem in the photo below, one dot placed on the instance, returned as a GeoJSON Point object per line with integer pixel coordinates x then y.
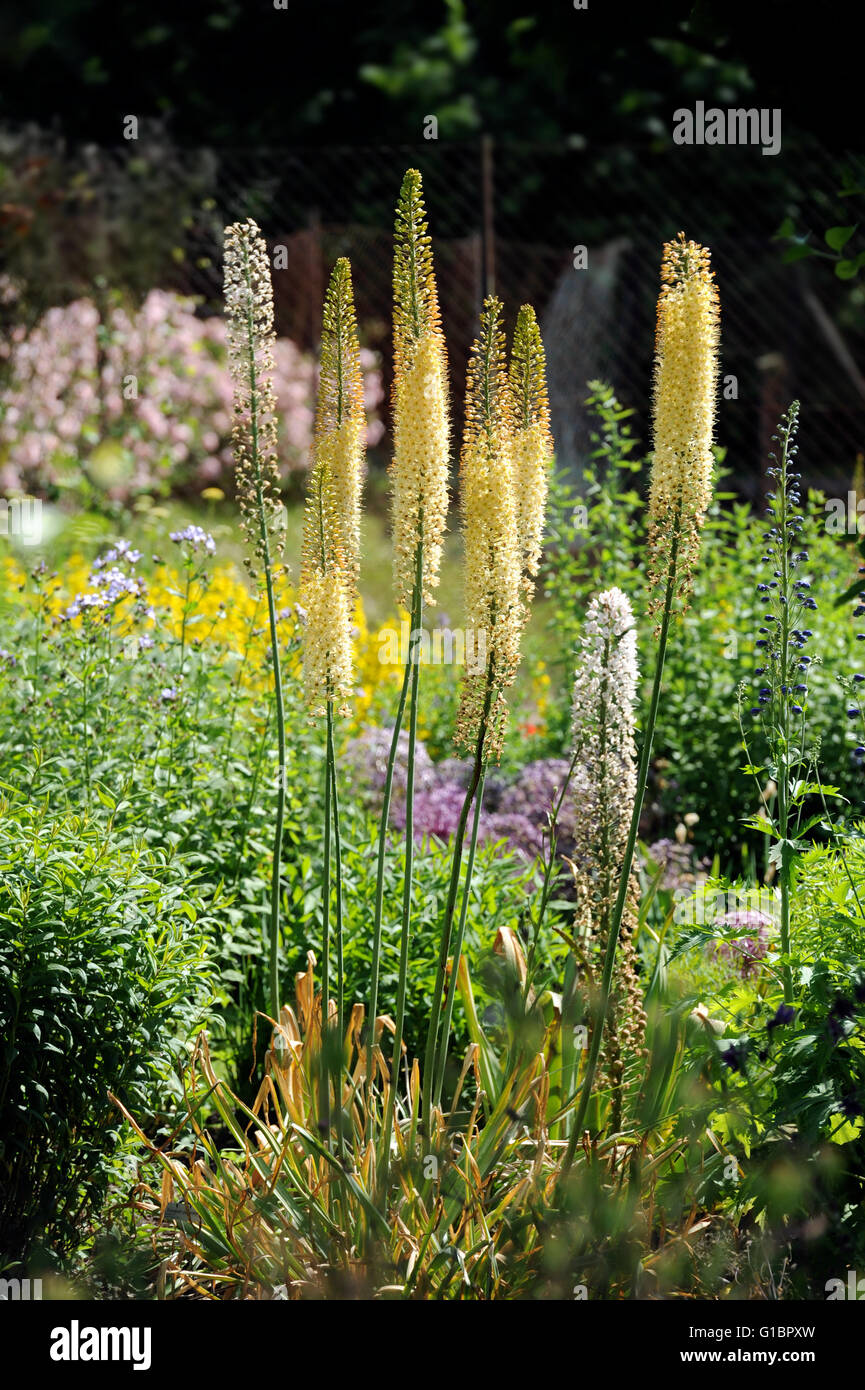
{"type": "Point", "coordinates": [603, 1003]}
{"type": "Point", "coordinates": [340, 1003]}
{"type": "Point", "coordinates": [783, 769]}
{"type": "Point", "coordinates": [379, 890]}
{"type": "Point", "coordinates": [548, 881]}
{"type": "Point", "coordinates": [447, 920]}
{"type": "Point", "coordinates": [442, 1050]}
{"type": "Point", "coordinates": [405, 930]}
{"type": "Point", "coordinates": [324, 1081]}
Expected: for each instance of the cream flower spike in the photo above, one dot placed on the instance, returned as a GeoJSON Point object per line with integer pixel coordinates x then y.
{"type": "Point", "coordinates": [685, 395]}
{"type": "Point", "coordinates": [250, 331]}
{"type": "Point", "coordinates": [419, 471]}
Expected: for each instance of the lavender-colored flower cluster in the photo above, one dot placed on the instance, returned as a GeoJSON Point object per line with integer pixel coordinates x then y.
{"type": "Point", "coordinates": [109, 583]}
{"type": "Point", "coordinates": [521, 834]}
{"type": "Point", "coordinates": [194, 536]}
{"type": "Point", "coordinates": [517, 813]}
{"type": "Point", "coordinates": [365, 760]}
{"type": "Point", "coordinates": [436, 810]}
{"type": "Point", "coordinates": [535, 795]}
{"type": "Point", "coordinates": [745, 952]}
{"type": "Point", "coordinates": [682, 868]}
{"type": "Point", "coordinates": [120, 552]}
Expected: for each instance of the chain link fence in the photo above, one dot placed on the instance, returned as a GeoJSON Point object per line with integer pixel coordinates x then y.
{"type": "Point", "coordinates": [505, 219]}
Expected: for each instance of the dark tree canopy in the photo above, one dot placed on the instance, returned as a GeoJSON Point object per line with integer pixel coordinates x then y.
{"type": "Point", "coordinates": [234, 72]}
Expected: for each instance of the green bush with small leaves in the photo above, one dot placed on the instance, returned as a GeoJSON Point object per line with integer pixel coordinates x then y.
{"type": "Point", "coordinates": [103, 977]}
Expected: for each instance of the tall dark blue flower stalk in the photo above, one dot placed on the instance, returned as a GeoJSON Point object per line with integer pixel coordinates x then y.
{"type": "Point", "coordinates": [783, 637]}
{"type": "Point", "coordinates": [856, 687]}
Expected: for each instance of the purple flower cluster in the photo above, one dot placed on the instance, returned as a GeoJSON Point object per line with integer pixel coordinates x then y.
{"type": "Point", "coordinates": [120, 551]}
{"type": "Point", "coordinates": [680, 864]}
{"type": "Point", "coordinates": [109, 583]}
{"type": "Point", "coordinates": [745, 952]}
{"type": "Point", "coordinates": [194, 536]}
{"type": "Point", "coordinates": [516, 812]}
{"type": "Point", "coordinates": [365, 759]}
{"type": "Point", "coordinates": [520, 833]}
{"type": "Point", "coordinates": [536, 792]}
{"type": "Point", "coordinates": [436, 810]}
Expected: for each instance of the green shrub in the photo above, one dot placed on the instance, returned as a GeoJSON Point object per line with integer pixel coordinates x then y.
{"type": "Point", "coordinates": [698, 744]}
{"type": "Point", "coordinates": [790, 1080]}
{"type": "Point", "coordinates": [102, 980]}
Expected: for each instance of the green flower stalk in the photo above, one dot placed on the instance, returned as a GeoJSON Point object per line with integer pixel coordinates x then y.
{"type": "Point", "coordinates": [685, 393]}
{"type": "Point", "coordinates": [328, 578]}
{"type": "Point", "coordinates": [419, 482]}
{"type": "Point", "coordinates": [782, 702]}
{"type": "Point", "coordinates": [249, 313]}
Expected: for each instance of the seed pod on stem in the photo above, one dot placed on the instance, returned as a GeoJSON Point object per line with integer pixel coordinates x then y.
{"type": "Point", "coordinates": [249, 314]}
{"type": "Point", "coordinates": [250, 332]}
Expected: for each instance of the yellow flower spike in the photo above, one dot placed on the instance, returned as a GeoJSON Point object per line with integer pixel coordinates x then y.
{"type": "Point", "coordinates": [493, 591]}
{"type": "Point", "coordinates": [685, 394]}
{"type": "Point", "coordinates": [338, 449]}
{"type": "Point", "coordinates": [533, 442]}
{"type": "Point", "coordinates": [327, 654]}
{"type": "Point", "coordinates": [419, 471]}
{"type": "Point", "coordinates": [331, 528]}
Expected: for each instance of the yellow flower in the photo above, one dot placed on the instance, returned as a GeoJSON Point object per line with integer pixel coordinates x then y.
{"type": "Point", "coordinates": [493, 592]}
{"type": "Point", "coordinates": [331, 528]}
{"type": "Point", "coordinates": [327, 656]}
{"type": "Point", "coordinates": [685, 391]}
{"type": "Point", "coordinates": [533, 443]}
{"type": "Point", "coordinates": [419, 471]}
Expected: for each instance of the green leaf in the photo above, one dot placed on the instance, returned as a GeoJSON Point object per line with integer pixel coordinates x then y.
{"type": "Point", "coordinates": [853, 592]}
{"type": "Point", "coordinates": [837, 237]}
{"type": "Point", "coordinates": [797, 253]}
{"type": "Point", "coordinates": [783, 852]}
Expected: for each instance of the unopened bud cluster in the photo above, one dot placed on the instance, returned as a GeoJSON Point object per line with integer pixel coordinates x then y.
{"type": "Point", "coordinates": [250, 333]}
